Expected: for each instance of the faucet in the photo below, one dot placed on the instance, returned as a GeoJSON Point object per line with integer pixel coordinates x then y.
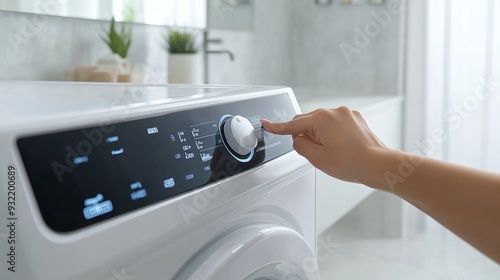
{"type": "Point", "coordinates": [206, 52]}
{"type": "Point", "coordinates": [231, 55]}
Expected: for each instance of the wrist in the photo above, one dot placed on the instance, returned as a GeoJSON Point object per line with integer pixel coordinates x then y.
{"type": "Point", "coordinates": [386, 169]}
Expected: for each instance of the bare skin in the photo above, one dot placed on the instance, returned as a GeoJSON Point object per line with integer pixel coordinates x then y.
{"type": "Point", "coordinates": [339, 142]}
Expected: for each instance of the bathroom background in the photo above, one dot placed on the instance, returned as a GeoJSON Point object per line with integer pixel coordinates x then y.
{"type": "Point", "coordinates": [434, 54]}
{"type": "Point", "coordinates": [300, 37]}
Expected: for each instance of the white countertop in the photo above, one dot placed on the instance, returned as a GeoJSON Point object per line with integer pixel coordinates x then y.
{"type": "Point", "coordinates": [360, 103]}
{"type": "Point", "coordinates": [311, 99]}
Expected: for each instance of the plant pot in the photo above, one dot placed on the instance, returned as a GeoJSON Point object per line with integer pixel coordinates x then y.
{"type": "Point", "coordinates": [185, 68]}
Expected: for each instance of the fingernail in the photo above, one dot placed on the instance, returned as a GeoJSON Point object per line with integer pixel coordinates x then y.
{"type": "Point", "coordinates": [263, 121]}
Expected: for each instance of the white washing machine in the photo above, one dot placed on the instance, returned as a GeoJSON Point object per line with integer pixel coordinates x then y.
{"type": "Point", "coordinates": [122, 182]}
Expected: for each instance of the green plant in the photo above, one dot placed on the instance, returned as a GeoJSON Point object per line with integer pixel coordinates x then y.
{"type": "Point", "coordinates": [118, 42]}
{"type": "Point", "coordinates": [180, 42]}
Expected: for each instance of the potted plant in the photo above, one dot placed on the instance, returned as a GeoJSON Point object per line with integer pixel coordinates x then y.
{"type": "Point", "coordinates": [185, 63]}
{"type": "Point", "coordinates": [118, 42]}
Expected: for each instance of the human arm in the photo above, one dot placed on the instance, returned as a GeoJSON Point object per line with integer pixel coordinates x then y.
{"type": "Point", "coordinates": [339, 143]}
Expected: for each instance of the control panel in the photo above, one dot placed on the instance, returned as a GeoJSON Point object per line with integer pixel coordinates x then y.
{"type": "Point", "coordinates": [88, 175]}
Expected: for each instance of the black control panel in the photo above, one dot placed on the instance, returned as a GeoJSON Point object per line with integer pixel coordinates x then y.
{"type": "Point", "coordinates": [84, 176]}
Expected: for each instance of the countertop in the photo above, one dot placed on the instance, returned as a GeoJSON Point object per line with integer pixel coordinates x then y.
{"type": "Point", "coordinates": [310, 99]}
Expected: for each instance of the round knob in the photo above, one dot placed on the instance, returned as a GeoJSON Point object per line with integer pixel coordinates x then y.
{"type": "Point", "coordinates": [240, 136]}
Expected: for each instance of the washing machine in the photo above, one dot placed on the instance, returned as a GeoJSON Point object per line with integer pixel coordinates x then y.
{"type": "Point", "coordinates": [122, 182]}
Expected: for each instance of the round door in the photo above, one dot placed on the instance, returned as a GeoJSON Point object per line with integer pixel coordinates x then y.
{"type": "Point", "coordinates": [254, 252]}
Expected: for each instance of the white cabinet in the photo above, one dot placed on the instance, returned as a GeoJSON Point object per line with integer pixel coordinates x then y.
{"type": "Point", "coordinates": [384, 115]}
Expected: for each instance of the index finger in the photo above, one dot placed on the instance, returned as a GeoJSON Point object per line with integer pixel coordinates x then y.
{"type": "Point", "coordinates": [294, 127]}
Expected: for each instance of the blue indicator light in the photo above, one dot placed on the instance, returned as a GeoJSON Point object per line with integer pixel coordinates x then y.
{"type": "Point", "coordinates": [138, 194]}
{"type": "Point", "coordinates": [169, 183]}
{"type": "Point", "coordinates": [79, 160]}
{"type": "Point", "coordinates": [97, 209]}
{"type": "Point", "coordinates": [117, 152]}
{"type": "Point", "coordinates": [112, 139]}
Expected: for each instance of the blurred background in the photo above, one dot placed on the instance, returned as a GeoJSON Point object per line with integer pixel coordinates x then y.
{"type": "Point", "coordinates": [425, 73]}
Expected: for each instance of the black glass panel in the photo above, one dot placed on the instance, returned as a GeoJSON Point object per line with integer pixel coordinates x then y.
{"type": "Point", "coordinates": [84, 176]}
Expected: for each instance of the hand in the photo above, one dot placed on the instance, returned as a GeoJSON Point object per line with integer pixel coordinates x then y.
{"type": "Point", "coordinates": [339, 143]}
{"type": "Point", "coordinates": [336, 141]}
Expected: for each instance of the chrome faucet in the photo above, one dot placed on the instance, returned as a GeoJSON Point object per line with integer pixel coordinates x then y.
{"type": "Point", "coordinates": [206, 52]}
{"type": "Point", "coordinates": [231, 55]}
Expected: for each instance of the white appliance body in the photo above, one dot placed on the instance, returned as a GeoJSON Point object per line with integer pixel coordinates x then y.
{"type": "Point", "coordinates": [251, 217]}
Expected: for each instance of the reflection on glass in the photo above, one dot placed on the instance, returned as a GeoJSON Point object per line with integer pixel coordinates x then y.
{"type": "Point", "coordinates": [189, 13]}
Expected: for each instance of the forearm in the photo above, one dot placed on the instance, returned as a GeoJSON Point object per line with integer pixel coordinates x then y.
{"type": "Point", "coordinates": [464, 200]}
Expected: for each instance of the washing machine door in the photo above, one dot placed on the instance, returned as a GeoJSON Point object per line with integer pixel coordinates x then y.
{"type": "Point", "coordinates": [254, 252]}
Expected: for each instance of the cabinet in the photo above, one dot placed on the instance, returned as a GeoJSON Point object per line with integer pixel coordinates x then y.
{"type": "Point", "coordinates": [384, 115]}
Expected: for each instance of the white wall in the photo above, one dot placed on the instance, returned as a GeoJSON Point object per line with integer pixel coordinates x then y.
{"type": "Point", "coordinates": [294, 42]}
{"type": "Point", "coordinates": [297, 43]}
{"type": "Point", "coordinates": [349, 50]}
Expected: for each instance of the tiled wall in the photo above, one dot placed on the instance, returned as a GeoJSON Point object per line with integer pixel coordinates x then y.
{"type": "Point", "coordinates": [295, 43]}
{"type": "Point", "coordinates": [320, 62]}
{"type": "Point", "coordinates": [261, 56]}
{"type": "Point", "coordinates": [37, 47]}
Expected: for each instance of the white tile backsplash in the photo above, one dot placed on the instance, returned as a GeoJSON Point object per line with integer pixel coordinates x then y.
{"type": "Point", "coordinates": [319, 62]}
{"type": "Point", "coordinates": [294, 42]}
{"type": "Point", "coordinates": [56, 46]}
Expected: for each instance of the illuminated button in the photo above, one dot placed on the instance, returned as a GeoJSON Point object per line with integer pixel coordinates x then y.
{"type": "Point", "coordinates": [112, 139]}
{"type": "Point", "coordinates": [93, 200]}
{"type": "Point", "coordinates": [135, 186]}
{"type": "Point", "coordinates": [99, 209]}
{"type": "Point", "coordinates": [117, 152]}
{"type": "Point", "coordinates": [153, 130]}
{"type": "Point", "coordinates": [205, 157]}
{"type": "Point", "coordinates": [199, 145]}
{"type": "Point", "coordinates": [169, 183]}
{"type": "Point", "coordinates": [195, 132]}
{"type": "Point", "coordinates": [186, 147]}
{"type": "Point", "coordinates": [79, 160]}
{"type": "Point", "coordinates": [182, 138]}
{"type": "Point", "coordinates": [138, 194]}
{"type": "Point", "coordinates": [189, 155]}
{"type": "Point", "coordinates": [177, 156]}
{"type": "Point", "coordinates": [189, 176]}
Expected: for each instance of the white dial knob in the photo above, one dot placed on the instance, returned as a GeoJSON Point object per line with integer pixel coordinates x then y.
{"type": "Point", "coordinates": [240, 135]}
